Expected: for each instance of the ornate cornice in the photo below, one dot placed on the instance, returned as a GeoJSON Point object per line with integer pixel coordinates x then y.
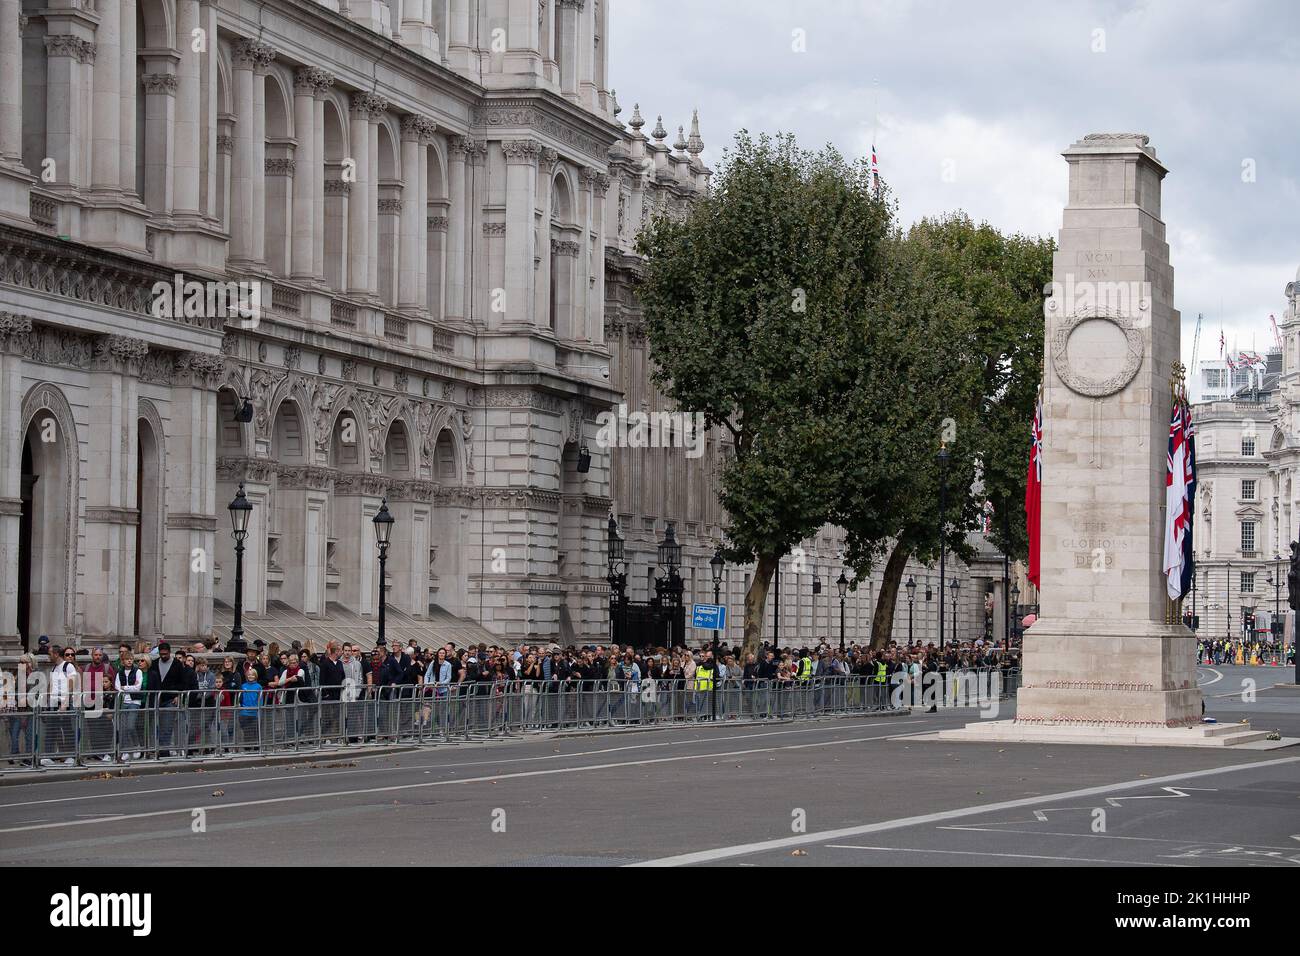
{"type": "Point", "coordinates": [312, 80]}
{"type": "Point", "coordinates": [390, 206]}
{"type": "Point", "coordinates": [245, 469]}
{"type": "Point", "coordinates": [14, 330]}
{"type": "Point", "coordinates": [280, 167]}
{"type": "Point", "coordinates": [337, 187]}
{"type": "Point", "coordinates": [66, 45]}
{"type": "Point", "coordinates": [226, 144]}
{"type": "Point", "coordinates": [436, 223]}
{"type": "Point", "coordinates": [494, 228]}
{"type": "Point", "coordinates": [525, 115]}
{"type": "Point", "coordinates": [119, 353]}
{"type": "Point", "coordinates": [564, 247]}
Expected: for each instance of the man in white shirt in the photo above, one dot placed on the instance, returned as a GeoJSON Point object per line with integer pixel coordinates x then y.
{"type": "Point", "coordinates": [62, 700]}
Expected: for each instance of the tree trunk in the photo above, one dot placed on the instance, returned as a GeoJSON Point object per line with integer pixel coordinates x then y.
{"type": "Point", "coordinates": [882, 624]}
{"type": "Point", "coordinates": [756, 604]}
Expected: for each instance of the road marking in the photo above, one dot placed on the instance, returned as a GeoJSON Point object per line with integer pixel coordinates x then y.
{"type": "Point", "coordinates": [393, 788]}
{"type": "Point", "coordinates": [441, 766]}
{"type": "Point", "coordinates": [1013, 856]}
{"type": "Point", "coordinates": [1170, 793]}
{"type": "Point", "coordinates": [1218, 676]}
{"type": "Point", "coordinates": [745, 849]}
{"type": "Point", "coordinates": [1115, 836]}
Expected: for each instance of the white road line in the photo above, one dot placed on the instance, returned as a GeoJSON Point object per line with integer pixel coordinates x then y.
{"type": "Point", "coordinates": [1013, 856]}
{"type": "Point", "coordinates": [212, 782]}
{"type": "Point", "coordinates": [745, 849]}
{"type": "Point", "coordinates": [296, 798]}
{"type": "Point", "coordinates": [1115, 836]}
{"type": "Point", "coordinates": [1218, 676]}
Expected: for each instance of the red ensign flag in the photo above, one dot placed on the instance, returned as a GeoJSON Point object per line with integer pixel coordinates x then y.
{"type": "Point", "coordinates": [1034, 490]}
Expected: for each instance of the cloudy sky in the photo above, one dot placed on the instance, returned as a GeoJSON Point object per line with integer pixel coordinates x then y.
{"type": "Point", "coordinates": [970, 105]}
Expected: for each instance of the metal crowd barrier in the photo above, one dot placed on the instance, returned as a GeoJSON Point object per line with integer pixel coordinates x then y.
{"type": "Point", "coordinates": [124, 728]}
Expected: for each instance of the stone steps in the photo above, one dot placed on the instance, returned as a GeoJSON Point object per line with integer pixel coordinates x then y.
{"type": "Point", "coordinates": [1201, 735]}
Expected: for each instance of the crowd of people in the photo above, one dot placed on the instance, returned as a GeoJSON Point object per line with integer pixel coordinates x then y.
{"type": "Point", "coordinates": [238, 680]}
{"type": "Point", "coordinates": [1244, 652]}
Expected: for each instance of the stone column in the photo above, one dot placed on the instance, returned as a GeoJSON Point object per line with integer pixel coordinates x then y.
{"type": "Point", "coordinates": [188, 111]}
{"type": "Point", "coordinates": [521, 201]}
{"type": "Point", "coordinates": [307, 167]}
{"type": "Point", "coordinates": [14, 330]}
{"type": "Point", "coordinates": [459, 149]}
{"type": "Point", "coordinates": [408, 274]}
{"type": "Point", "coordinates": [250, 60]}
{"type": "Point", "coordinates": [15, 179]}
{"type": "Point", "coordinates": [159, 139]}
{"type": "Point", "coordinates": [427, 129]}
{"type": "Point", "coordinates": [320, 89]}
{"type": "Point", "coordinates": [65, 140]}
{"type": "Point", "coordinates": [210, 131]}
{"type": "Point", "coordinates": [582, 273]}
{"type": "Point", "coordinates": [458, 51]}
{"type": "Point", "coordinates": [542, 287]}
{"type": "Point", "coordinates": [193, 511]}
{"type": "Point", "coordinates": [570, 11]}
{"type": "Point", "coordinates": [127, 73]}
{"type": "Point", "coordinates": [378, 106]}
{"type": "Point", "coordinates": [105, 171]}
{"type": "Point", "coordinates": [225, 146]}
{"type": "Point", "coordinates": [596, 262]}
{"type": "Point", "coordinates": [359, 239]}
{"type": "Point", "coordinates": [110, 486]}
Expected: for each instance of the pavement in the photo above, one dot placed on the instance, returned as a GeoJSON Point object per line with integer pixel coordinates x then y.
{"type": "Point", "coordinates": [846, 792]}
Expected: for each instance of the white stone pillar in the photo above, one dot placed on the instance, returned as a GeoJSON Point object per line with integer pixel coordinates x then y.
{"type": "Point", "coordinates": [250, 60]}
{"type": "Point", "coordinates": [378, 107]}
{"type": "Point", "coordinates": [307, 167]}
{"type": "Point", "coordinates": [159, 139]}
{"type": "Point", "coordinates": [459, 149]}
{"type": "Point", "coordinates": [319, 91]}
{"type": "Point", "coordinates": [359, 239]}
{"type": "Point", "coordinates": [408, 270]}
{"type": "Point", "coordinates": [105, 173]}
{"type": "Point", "coordinates": [65, 140]}
{"type": "Point", "coordinates": [209, 133]}
{"type": "Point", "coordinates": [596, 278]}
{"type": "Point", "coordinates": [422, 218]}
{"type": "Point", "coordinates": [521, 200]}
{"type": "Point", "coordinates": [14, 330]}
{"type": "Point", "coordinates": [567, 44]}
{"type": "Point", "coordinates": [128, 72]}
{"type": "Point", "coordinates": [582, 293]}
{"type": "Point", "coordinates": [542, 287]}
{"type": "Point", "coordinates": [458, 51]}
{"type": "Point", "coordinates": [188, 107]}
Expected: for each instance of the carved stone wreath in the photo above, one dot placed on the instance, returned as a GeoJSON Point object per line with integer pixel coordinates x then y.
{"type": "Point", "coordinates": [1084, 385]}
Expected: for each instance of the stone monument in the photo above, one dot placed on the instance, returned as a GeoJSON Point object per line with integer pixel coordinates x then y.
{"type": "Point", "coordinates": [1108, 660]}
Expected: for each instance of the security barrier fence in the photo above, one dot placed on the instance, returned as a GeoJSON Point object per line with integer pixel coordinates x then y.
{"type": "Point", "coordinates": [126, 727]}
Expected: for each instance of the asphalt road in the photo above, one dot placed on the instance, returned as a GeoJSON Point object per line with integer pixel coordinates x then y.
{"type": "Point", "coordinates": [843, 792]}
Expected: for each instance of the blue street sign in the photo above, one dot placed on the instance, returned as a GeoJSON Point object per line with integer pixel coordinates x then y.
{"type": "Point", "coordinates": [711, 617]}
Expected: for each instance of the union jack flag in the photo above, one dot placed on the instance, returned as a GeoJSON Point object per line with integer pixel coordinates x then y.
{"type": "Point", "coordinates": [1180, 497]}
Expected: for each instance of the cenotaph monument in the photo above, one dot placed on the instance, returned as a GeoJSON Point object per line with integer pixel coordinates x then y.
{"type": "Point", "coordinates": [1108, 660]}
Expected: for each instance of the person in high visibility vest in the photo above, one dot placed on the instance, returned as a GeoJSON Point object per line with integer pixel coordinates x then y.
{"type": "Point", "coordinates": [805, 666]}
{"type": "Point", "coordinates": [880, 672]}
{"type": "Point", "coordinates": [703, 684]}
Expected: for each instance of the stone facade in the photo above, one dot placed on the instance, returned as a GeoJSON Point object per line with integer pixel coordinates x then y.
{"type": "Point", "coordinates": [437, 204]}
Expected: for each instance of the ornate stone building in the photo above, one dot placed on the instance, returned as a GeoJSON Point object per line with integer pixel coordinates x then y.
{"type": "Point", "coordinates": [436, 204]}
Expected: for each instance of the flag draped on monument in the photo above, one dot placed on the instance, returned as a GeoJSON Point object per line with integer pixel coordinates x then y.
{"type": "Point", "coordinates": [1034, 491]}
{"type": "Point", "coordinates": [1180, 491]}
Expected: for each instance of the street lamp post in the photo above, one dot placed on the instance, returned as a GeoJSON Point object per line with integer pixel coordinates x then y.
{"type": "Point", "coordinates": [943, 495]}
{"type": "Point", "coordinates": [716, 565]}
{"type": "Point", "coordinates": [383, 522]}
{"type": "Point", "coordinates": [843, 584]}
{"type": "Point", "coordinates": [1015, 613]}
{"type": "Point", "coordinates": [617, 578]}
{"type": "Point", "coordinates": [1227, 620]}
{"type": "Point", "coordinates": [954, 587]}
{"type": "Point", "coordinates": [911, 597]}
{"type": "Point", "coordinates": [240, 511]}
{"type": "Point", "coordinates": [670, 559]}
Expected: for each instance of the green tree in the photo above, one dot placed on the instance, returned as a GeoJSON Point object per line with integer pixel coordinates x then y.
{"type": "Point", "coordinates": [956, 334]}
{"type": "Point", "coordinates": [751, 302]}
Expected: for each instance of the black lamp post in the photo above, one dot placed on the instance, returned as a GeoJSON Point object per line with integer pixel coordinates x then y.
{"type": "Point", "coordinates": [943, 501]}
{"type": "Point", "coordinates": [1015, 613]}
{"type": "Point", "coordinates": [911, 598]}
{"type": "Point", "coordinates": [716, 565]}
{"type": "Point", "coordinates": [240, 511]}
{"type": "Point", "coordinates": [617, 578]}
{"type": "Point", "coordinates": [1276, 581]}
{"type": "Point", "coordinates": [843, 584]}
{"type": "Point", "coordinates": [954, 587]}
{"type": "Point", "coordinates": [383, 522]}
{"type": "Point", "coordinates": [670, 585]}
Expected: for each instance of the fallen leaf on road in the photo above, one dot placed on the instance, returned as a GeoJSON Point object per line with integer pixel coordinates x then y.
{"type": "Point", "coordinates": [218, 793]}
{"type": "Point", "coordinates": [798, 852]}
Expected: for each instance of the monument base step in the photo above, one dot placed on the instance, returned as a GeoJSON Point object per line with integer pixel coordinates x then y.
{"type": "Point", "coordinates": [1201, 735]}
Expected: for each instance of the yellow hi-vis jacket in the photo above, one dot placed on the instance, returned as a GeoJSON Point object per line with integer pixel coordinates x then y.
{"type": "Point", "coordinates": [805, 668]}
{"type": "Point", "coordinates": [880, 672]}
{"type": "Point", "coordinates": [703, 678]}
